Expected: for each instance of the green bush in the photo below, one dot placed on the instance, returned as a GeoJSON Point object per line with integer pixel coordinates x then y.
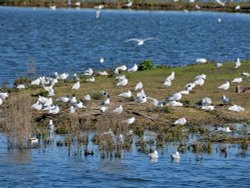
{"type": "Point", "coordinates": [146, 65]}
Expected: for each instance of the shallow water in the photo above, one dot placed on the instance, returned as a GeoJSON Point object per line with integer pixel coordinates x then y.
{"type": "Point", "coordinates": [70, 40]}
{"type": "Point", "coordinates": [51, 166]}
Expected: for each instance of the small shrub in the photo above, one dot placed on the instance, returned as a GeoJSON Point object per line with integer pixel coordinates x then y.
{"type": "Point", "coordinates": [146, 65]}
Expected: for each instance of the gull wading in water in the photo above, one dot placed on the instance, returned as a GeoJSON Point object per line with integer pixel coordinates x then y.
{"type": "Point", "coordinates": [153, 155]}
{"type": "Point", "coordinates": [176, 156]}
{"type": "Point", "coordinates": [140, 42]}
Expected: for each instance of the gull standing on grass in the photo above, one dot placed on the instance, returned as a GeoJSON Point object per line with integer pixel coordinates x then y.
{"type": "Point", "coordinates": [133, 69]}
{"type": "Point", "coordinates": [76, 86]}
{"type": "Point", "coordinates": [237, 80]}
{"type": "Point", "coordinates": [224, 86]}
{"type": "Point", "coordinates": [181, 121]}
{"type": "Point", "coordinates": [237, 63]}
{"type": "Point", "coordinates": [140, 42]}
{"type": "Point", "coordinates": [139, 86]}
{"type": "Point", "coordinates": [127, 94]}
{"type": "Point", "coordinates": [129, 121]}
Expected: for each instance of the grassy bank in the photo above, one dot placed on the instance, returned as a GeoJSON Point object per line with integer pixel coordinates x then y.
{"type": "Point", "coordinates": [137, 5]}
{"type": "Point", "coordinates": [147, 115]}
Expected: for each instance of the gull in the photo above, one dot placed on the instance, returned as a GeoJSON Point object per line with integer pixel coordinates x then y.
{"type": "Point", "coordinates": [34, 140]}
{"type": "Point", "coordinates": [78, 4]}
{"type": "Point", "coordinates": [189, 87]}
{"type": "Point", "coordinates": [201, 60]}
{"type": "Point", "coordinates": [202, 76]}
{"type": "Point", "coordinates": [37, 106]}
{"type": "Point", "coordinates": [221, 3]}
{"type": "Point", "coordinates": [237, 63]}
{"type": "Point", "coordinates": [1, 101]}
{"type": "Point", "coordinates": [171, 77]}
{"type": "Point", "coordinates": [207, 107]}
{"type": "Point", "coordinates": [153, 155]}
{"type": "Point", "coordinates": [73, 100]}
{"type": "Point", "coordinates": [103, 73]}
{"type": "Point", "coordinates": [167, 83]}
{"type": "Point", "coordinates": [79, 105]}
{"type": "Point", "coordinates": [51, 92]}
{"type": "Point", "coordinates": [101, 60]}
{"type": "Point", "coordinates": [127, 94]}
{"type": "Point", "coordinates": [103, 108]}
{"type": "Point", "coordinates": [175, 97]}
{"type": "Point", "coordinates": [224, 86]}
{"type": "Point", "coordinates": [76, 85]}
{"type": "Point", "coordinates": [76, 77]}
{"type": "Point", "coordinates": [88, 72]}
{"type": "Point", "coordinates": [140, 42]}
{"type": "Point", "coordinates": [3, 95]}
{"type": "Point", "coordinates": [91, 79]}
{"type": "Point", "coordinates": [120, 68]}
{"type": "Point", "coordinates": [129, 121]}
{"type": "Point", "coordinates": [63, 99]}
{"type": "Point", "coordinates": [184, 92]}
{"type": "Point", "coordinates": [62, 76]}
{"type": "Point", "coordinates": [197, 7]}
{"type": "Point", "coordinates": [224, 129]}
{"type": "Point", "coordinates": [106, 102]}
{"type": "Point", "coordinates": [133, 69]}
{"type": "Point", "coordinates": [237, 80]}
{"type": "Point", "coordinates": [246, 74]}
{"type": "Point", "coordinates": [122, 82]}
{"type": "Point", "coordinates": [174, 103]}
{"type": "Point", "coordinates": [104, 93]}
{"type": "Point", "coordinates": [176, 156]}
{"type": "Point", "coordinates": [138, 86]}
{"type": "Point", "coordinates": [205, 101]}
{"type": "Point", "coordinates": [218, 64]}
{"type": "Point", "coordinates": [20, 86]}
{"type": "Point", "coordinates": [237, 7]}
{"type": "Point", "coordinates": [87, 97]}
{"type": "Point", "coordinates": [53, 7]}
{"type": "Point", "coordinates": [48, 102]}
{"type": "Point", "coordinates": [52, 129]}
{"type": "Point", "coordinates": [42, 99]}
{"type": "Point", "coordinates": [141, 97]}
{"type": "Point", "coordinates": [72, 109]}
{"type": "Point", "coordinates": [97, 14]}
{"type": "Point", "coordinates": [236, 108]}
{"type": "Point", "coordinates": [118, 110]}
{"type": "Point", "coordinates": [55, 110]}
{"type": "Point", "coordinates": [156, 102]}
{"type": "Point", "coordinates": [199, 82]}
{"type": "Point", "coordinates": [99, 7]}
{"type": "Point", "coordinates": [128, 4]}
{"type": "Point", "coordinates": [36, 82]}
{"type": "Point", "coordinates": [225, 100]}
{"type": "Point", "coordinates": [181, 121]}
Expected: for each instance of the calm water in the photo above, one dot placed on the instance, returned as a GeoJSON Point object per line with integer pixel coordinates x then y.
{"type": "Point", "coordinates": [73, 40]}
{"type": "Point", "coordinates": [52, 167]}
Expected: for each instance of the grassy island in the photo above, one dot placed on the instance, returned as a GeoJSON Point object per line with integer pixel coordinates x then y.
{"type": "Point", "coordinates": [147, 115]}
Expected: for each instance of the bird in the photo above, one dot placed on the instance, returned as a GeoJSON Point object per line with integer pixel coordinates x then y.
{"type": "Point", "coordinates": [103, 73]}
{"type": "Point", "coordinates": [197, 7]}
{"type": "Point", "coordinates": [35, 82]}
{"type": "Point", "coordinates": [199, 81]}
{"type": "Point", "coordinates": [128, 4]}
{"type": "Point", "coordinates": [175, 97]}
{"type": "Point", "coordinates": [176, 156]}
{"type": "Point", "coordinates": [122, 82]}
{"type": "Point", "coordinates": [51, 129]}
{"type": "Point", "coordinates": [79, 105]}
{"type": "Point", "coordinates": [118, 110]}
{"type": "Point", "coordinates": [76, 86]}
{"type": "Point", "coordinates": [181, 121]}
{"type": "Point", "coordinates": [127, 94]}
{"type": "Point", "coordinates": [73, 99]}
{"type": "Point", "coordinates": [154, 155]}
{"type": "Point", "coordinates": [167, 83]}
{"type": "Point", "coordinates": [224, 129]}
{"type": "Point", "coordinates": [133, 69]}
{"type": "Point", "coordinates": [138, 86]}
{"type": "Point", "coordinates": [171, 77]}
{"type": "Point", "coordinates": [120, 68]}
{"type": "Point", "coordinates": [103, 108]}
{"type": "Point", "coordinates": [140, 42]}
{"type": "Point", "coordinates": [129, 121]}
{"type": "Point", "coordinates": [156, 102]}
{"type": "Point", "coordinates": [201, 60]}
{"type": "Point", "coordinates": [204, 101]}
{"type": "Point", "coordinates": [184, 92]}
{"type": "Point", "coordinates": [246, 74]}
{"type": "Point", "coordinates": [141, 97]}
{"type": "Point", "coordinates": [208, 107]}
{"type": "Point", "coordinates": [34, 140]}
{"type": "Point", "coordinates": [91, 79]}
{"type": "Point", "coordinates": [237, 63]}
{"type": "Point", "coordinates": [106, 102]}
{"type": "Point", "coordinates": [236, 108]}
{"type": "Point", "coordinates": [218, 64]}
{"type": "Point", "coordinates": [87, 97]}
{"type": "Point", "coordinates": [88, 72]}
{"type": "Point", "coordinates": [224, 86]}
{"type": "Point", "coordinates": [1, 101]}
{"type": "Point", "coordinates": [97, 14]}
{"type": "Point", "coordinates": [202, 76]}
{"type": "Point", "coordinates": [4, 95]}
{"type": "Point", "coordinates": [101, 60]}
{"type": "Point", "coordinates": [20, 86]}
{"type": "Point", "coordinates": [221, 3]}
{"type": "Point", "coordinates": [53, 7]}
{"type": "Point", "coordinates": [37, 106]}
{"type": "Point", "coordinates": [237, 7]}
{"type": "Point", "coordinates": [225, 100]}
{"type": "Point", "coordinates": [63, 99]}
{"type": "Point", "coordinates": [174, 103]}
{"type": "Point", "coordinates": [237, 80]}
{"type": "Point", "coordinates": [55, 110]}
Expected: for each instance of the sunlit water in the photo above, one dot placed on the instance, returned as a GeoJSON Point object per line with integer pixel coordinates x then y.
{"type": "Point", "coordinates": [73, 40]}
{"type": "Point", "coordinates": [70, 40]}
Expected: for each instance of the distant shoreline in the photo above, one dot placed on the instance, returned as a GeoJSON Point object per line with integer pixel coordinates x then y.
{"type": "Point", "coordinates": [211, 6]}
